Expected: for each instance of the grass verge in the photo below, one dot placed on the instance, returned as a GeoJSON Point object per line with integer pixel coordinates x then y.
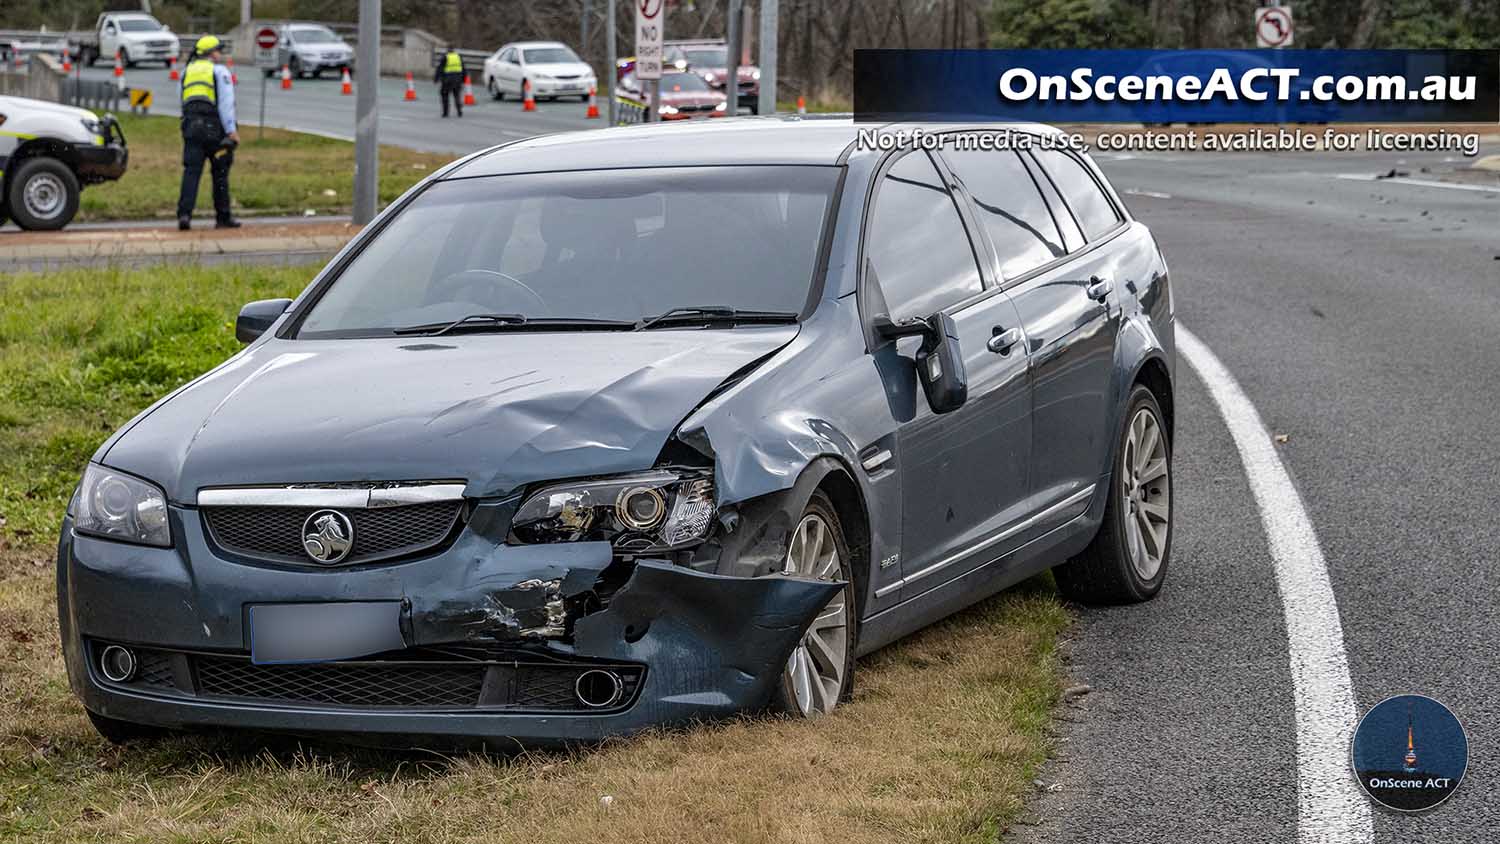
{"type": "Point", "coordinates": [283, 173]}
{"type": "Point", "coordinates": [940, 744]}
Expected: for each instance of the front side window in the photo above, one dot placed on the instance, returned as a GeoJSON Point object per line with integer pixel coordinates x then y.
{"type": "Point", "coordinates": [707, 57]}
{"type": "Point", "coordinates": [1010, 207]}
{"type": "Point", "coordinates": [1095, 213]}
{"type": "Point", "coordinates": [605, 244]}
{"type": "Point", "coordinates": [916, 242]}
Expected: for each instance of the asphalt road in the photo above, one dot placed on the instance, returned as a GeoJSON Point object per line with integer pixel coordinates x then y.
{"type": "Point", "coordinates": [316, 106]}
{"type": "Point", "coordinates": [1360, 319]}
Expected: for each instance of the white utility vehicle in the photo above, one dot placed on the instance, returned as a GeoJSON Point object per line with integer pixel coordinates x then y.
{"type": "Point", "coordinates": [48, 153]}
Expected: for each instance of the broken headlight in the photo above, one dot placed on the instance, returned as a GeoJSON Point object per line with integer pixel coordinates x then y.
{"type": "Point", "coordinates": [646, 512]}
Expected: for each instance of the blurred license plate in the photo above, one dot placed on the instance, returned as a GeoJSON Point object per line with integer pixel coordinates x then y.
{"type": "Point", "coordinates": [282, 633]}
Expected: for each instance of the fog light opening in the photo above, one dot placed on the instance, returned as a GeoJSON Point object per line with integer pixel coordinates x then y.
{"type": "Point", "coordinates": [117, 663]}
{"type": "Point", "coordinates": [599, 689]}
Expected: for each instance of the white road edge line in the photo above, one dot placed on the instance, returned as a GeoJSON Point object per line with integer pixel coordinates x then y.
{"type": "Point", "coordinates": [1421, 183]}
{"type": "Point", "coordinates": [1330, 809]}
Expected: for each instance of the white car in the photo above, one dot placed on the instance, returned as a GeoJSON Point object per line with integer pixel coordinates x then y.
{"type": "Point", "coordinates": [136, 36]}
{"type": "Point", "coordinates": [553, 69]}
{"type": "Point", "coordinates": [311, 48]}
{"type": "Point", "coordinates": [48, 152]}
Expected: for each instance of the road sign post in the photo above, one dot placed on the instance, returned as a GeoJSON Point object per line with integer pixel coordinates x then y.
{"type": "Point", "coordinates": [1273, 26]}
{"type": "Point", "coordinates": [650, 23]}
{"type": "Point", "coordinates": [611, 59]}
{"type": "Point", "coordinates": [367, 114]}
{"type": "Point", "coordinates": [265, 60]}
{"type": "Point", "coordinates": [768, 15]}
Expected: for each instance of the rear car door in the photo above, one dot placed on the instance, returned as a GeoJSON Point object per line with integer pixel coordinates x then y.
{"type": "Point", "coordinates": [1070, 310]}
{"type": "Point", "coordinates": [963, 473]}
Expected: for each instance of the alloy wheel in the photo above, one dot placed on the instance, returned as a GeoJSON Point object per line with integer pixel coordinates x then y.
{"type": "Point", "coordinates": [1146, 478]}
{"type": "Point", "coordinates": [44, 196]}
{"type": "Point", "coordinates": [815, 670]}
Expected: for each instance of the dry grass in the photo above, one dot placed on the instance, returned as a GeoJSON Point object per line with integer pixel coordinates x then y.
{"type": "Point", "coordinates": [940, 743]}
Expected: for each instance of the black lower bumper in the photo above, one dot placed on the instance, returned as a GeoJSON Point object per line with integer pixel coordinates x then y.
{"type": "Point", "coordinates": [98, 163]}
{"type": "Point", "coordinates": [692, 646]}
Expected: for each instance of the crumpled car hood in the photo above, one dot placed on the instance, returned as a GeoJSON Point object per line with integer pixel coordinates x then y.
{"type": "Point", "coordinates": [497, 411]}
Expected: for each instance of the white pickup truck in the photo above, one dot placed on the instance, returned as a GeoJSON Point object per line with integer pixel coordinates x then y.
{"type": "Point", "coordinates": [48, 152]}
{"type": "Point", "coordinates": [136, 36]}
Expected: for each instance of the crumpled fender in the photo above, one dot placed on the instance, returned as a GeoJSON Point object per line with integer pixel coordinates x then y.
{"type": "Point", "coordinates": [713, 645]}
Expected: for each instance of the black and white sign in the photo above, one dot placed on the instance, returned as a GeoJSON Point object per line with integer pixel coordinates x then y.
{"type": "Point", "coordinates": [650, 21]}
{"type": "Point", "coordinates": [1273, 26]}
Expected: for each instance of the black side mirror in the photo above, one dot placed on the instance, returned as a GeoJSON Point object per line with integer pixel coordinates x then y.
{"type": "Point", "coordinates": [257, 316]}
{"type": "Point", "coordinates": [940, 362]}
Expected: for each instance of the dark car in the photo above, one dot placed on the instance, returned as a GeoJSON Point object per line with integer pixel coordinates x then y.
{"type": "Point", "coordinates": [684, 96]}
{"type": "Point", "coordinates": [510, 469]}
{"type": "Point", "coordinates": [710, 59]}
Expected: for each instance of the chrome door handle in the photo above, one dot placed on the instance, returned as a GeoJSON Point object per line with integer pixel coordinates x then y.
{"type": "Point", "coordinates": [1099, 288]}
{"type": "Point", "coordinates": [1002, 342]}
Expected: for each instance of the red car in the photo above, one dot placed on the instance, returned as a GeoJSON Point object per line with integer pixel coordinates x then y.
{"type": "Point", "coordinates": [709, 59]}
{"type": "Point", "coordinates": [684, 96]}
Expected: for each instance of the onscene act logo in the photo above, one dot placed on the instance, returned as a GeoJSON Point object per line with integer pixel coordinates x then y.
{"type": "Point", "coordinates": [1410, 753]}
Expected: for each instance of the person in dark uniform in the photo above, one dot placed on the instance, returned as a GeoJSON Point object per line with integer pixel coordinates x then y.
{"type": "Point", "coordinates": [209, 131]}
{"type": "Point", "coordinates": [449, 74]}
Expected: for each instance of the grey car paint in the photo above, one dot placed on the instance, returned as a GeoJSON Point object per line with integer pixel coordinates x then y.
{"type": "Point", "coordinates": [780, 412]}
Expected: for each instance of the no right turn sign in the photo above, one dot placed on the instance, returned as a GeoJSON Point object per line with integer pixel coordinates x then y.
{"type": "Point", "coordinates": [1273, 26]}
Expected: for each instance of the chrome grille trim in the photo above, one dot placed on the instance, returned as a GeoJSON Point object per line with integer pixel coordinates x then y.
{"type": "Point", "coordinates": [333, 497]}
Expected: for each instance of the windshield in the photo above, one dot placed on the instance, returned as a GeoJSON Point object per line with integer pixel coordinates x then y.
{"type": "Point", "coordinates": [710, 57]}
{"type": "Point", "coordinates": [603, 244]}
{"type": "Point", "coordinates": [139, 25]}
{"type": "Point", "coordinates": [678, 82]}
{"type": "Point", "coordinates": [544, 55]}
{"type": "Point", "coordinates": [314, 36]}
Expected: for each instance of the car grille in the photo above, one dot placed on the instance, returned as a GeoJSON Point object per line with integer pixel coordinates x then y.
{"type": "Point", "coordinates": [404, 682]}
{"type": "Point", "coordinates": [275, 533]}
{"type": "Point", "coordinates": [161, 45]}
{"type": "Point", "coordinates": [689, 109]}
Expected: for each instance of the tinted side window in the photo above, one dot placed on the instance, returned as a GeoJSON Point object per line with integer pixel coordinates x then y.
{"type": "Point", "coordinates": [1072, 234]}
{"type": "Point", "coordinates": [917, 242]}
{"type": "Point", "coordinates": [1010, 207]}
{"type": "Point", "coordinates": [1094, 211]}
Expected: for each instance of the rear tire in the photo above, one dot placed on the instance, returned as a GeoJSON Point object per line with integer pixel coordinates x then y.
{"type": "Point", "coordinates": [116, 731]}
{"type": "Point", "coordinates": [819, 675]}
{"type": "Point", "coordinates": [1127, 560]}
{"type": "Point", "coordinates": [495, 92]}
{"type": "Point", "coordinates": [42, 194]}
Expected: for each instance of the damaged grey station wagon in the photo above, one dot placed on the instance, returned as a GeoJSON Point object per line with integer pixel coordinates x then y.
{"type": "Point", "coordinates": [601, 431]}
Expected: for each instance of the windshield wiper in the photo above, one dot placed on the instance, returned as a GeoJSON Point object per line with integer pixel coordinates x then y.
{"type": "Point", "coordinates": [713, 313]}
{"type": "Point", "coordinates": [506, 322]}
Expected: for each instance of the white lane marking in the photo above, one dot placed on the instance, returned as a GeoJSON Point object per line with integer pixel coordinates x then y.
{"type": "Point", "coordinates": [1151, 193]}
{"type": "Point", "coordinates": [1330, 809]}
{"type": "Point", "coordinates": [1421, 183]}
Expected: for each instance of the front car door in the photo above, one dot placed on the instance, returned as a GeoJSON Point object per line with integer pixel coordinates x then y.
{"type": "Point", "coordinates": [1071, 313]}
{"type": "Point", "coordinates": [963, 473]}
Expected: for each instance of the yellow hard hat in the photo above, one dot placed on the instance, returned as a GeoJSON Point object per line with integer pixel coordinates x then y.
{"type": "Point", "coordinates": [206, 44]}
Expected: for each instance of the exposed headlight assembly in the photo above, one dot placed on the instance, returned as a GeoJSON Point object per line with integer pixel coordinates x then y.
{"type": "Point", "coordinates": [118, 506]}
{"type": "Point", "coordinates": [652, 511]}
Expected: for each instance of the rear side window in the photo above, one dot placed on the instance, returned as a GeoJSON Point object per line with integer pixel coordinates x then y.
{"type": "Point", "coordinates": [1095, 213]}
{"type": "Point", "coordinates": [1011, 208]}
{"type": "Point", "coordinates": [917, 243]}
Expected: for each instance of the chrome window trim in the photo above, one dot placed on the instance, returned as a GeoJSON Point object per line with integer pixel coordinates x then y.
{"type": "Point", "coordinates": [1026, 523]}
{"type": "Point", "coordinates": [335, 497]}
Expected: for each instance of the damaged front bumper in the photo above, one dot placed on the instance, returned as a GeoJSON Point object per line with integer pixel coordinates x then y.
{"type": "Point", "coordinates": [498, 639]}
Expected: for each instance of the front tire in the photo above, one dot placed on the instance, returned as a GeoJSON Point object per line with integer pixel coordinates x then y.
{"type": "Point", "coordinates": [43, 194]}
{"type": "Point", "coordinates": [1127, 560]}
{"type": "Point", "coordinates": [819, 674]}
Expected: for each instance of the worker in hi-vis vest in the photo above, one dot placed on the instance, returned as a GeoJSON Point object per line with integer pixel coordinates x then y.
{"type": "Point", "coordinates": [450, 75]}
{"type": "Point", "coordinates": [209, 131]}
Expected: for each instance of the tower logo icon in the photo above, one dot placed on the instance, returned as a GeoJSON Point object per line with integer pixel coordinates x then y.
{"type": "Point", "coordinates": [1400, 777]}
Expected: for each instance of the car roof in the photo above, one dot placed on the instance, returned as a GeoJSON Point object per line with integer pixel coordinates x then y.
{"type": "Point", "coordinates": [750, 141]}
{"type": "Point", "coordinates": [525, 44]}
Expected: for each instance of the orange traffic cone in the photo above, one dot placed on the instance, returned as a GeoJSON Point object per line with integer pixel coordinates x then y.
{"type": "Point", "coordinates": [593, 111]}
{"type": "Point", "coordinates": [119, 66]}
{"type": "Point", "coordinates": [286, 78]}
{"type": "Point", "coordinates": [172, 68]}
{"type": "Point", "coordinates": [67, 61]}
{"type": "Point", "coordinates": [528, 102]}
{"type": "Point", "coordinates": [348, 86]}
{"type": "Point", "coordinates": [801, 105]}
{"type": "Point", "coordinates": [411, 88]}
{"type": "Point", "coordinates": [234, 78]}
{"type": "Point", "coordinates": [468, 91]}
